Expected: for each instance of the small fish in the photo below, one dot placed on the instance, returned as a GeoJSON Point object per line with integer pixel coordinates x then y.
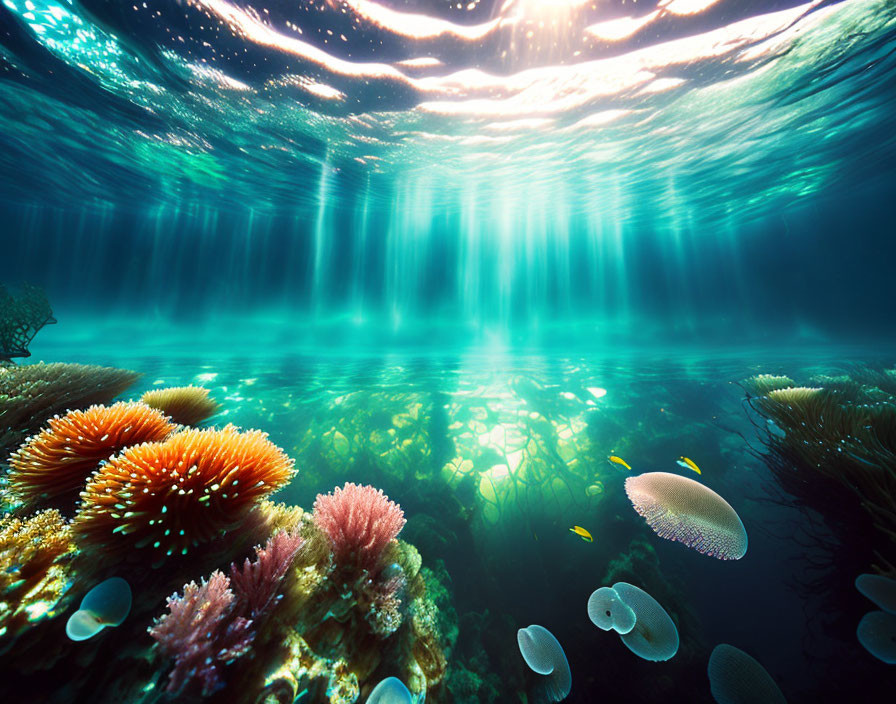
{"type": "Point", "coordinates": [618, 460]}
{"type": "Point", "coordinates": [688, 464]}
{"type": "Point", "coordinates": [584, 534]}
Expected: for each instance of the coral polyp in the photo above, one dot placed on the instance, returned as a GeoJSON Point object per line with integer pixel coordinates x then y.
{"type": "Point", "coordinates": [187, 405]}
{"type": "Point", "coordinates": [360, 521]}
{"type": "Point", "coordinates": [32, 393]}
{"type": "Point", "coordinates": [34, 554]}
{"type": "Point", "coordinates": [56, 462]}
{"type": "Point", "coordinates": [168, 496]}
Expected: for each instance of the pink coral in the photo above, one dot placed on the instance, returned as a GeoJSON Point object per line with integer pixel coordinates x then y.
{"type": "Point", "coordinates": [360, 522]}
{"type": "Point", "coordinates": [212, 625]}
{"type": "Point", "coordinates": [203, 633]}
{"type": "Point", "coordinates": [258, 582]}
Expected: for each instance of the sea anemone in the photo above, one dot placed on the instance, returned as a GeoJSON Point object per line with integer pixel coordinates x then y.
{"type": "Point", "coordinates": [184, 491]}
{"type": "Point", "coordinates": [359, 522]}
{"type": "Point", "coordinates": [187, 405]}
{"type": "Point", "coordinates": [681, 509]}
{"type": "Point", "coordinates": [56, 462]}
{"type": "Point", "coordinates": [32, 393]}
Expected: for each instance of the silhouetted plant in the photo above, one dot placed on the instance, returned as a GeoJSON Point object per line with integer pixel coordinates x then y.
{"type": "Point", "coordinates": [20, 319]}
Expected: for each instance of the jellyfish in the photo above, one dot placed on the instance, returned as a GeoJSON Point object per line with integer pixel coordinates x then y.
{"type": "Point", "coordinates": [737, 678]}
{"type": "Point", "coordinates": [654, 635]}
{"type": "Point", "coordinates": [877, 634]}
{"type": "Point", "coordinates": [545, 656]}
{"type": "Point", "coordinates": [679, 508]}
{"type": "Point", "coordinates": [881, 590]}
{"type": "Point", "coordinates": [107, 604]}
{"type": "Point", "coordinates": [608, 612]}
{"type": "Point", "coordinates": [390, 691]}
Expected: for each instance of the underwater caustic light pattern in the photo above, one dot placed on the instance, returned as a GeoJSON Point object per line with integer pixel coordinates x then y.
{"type": "Point", "coordinates": [684, 510]}
{"type": "Point", "coordinates": [181, 492]}
{"type": "Point", "coordinates": [58, 460]}
{"type": "Point", "coordinates": [607, 611]}
{"type": "Point", "coordinates": [187, 405]}
{"type": "Point", "coordinates": [107, 604]}
{"type": "Point", "coordinates": [737, 678]}
{"type": "Point", "coordinates": [544, 655]}
{"type": "Point", "coordinates": [654, 636]}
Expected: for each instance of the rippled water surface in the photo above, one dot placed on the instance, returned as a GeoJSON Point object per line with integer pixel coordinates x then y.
{"type": "Point", "coordinates": [683, 108]}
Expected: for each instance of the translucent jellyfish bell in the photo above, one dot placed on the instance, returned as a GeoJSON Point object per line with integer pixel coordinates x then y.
{"type": "Point", "coordinates": [544, 655]}
{"type": "Point", "coordinates": [654, 636]}
{"type": "Point", "coordinates": [390, 691]}
{"type": "Point", "coordinates": [107, 604]}
{"type": "Point", "coordinates": [881, 590]}
{"type": "Point", "coordinates": [608, 612]}
{"type": "Point", "coordinates": [681, 509]}
{"type": "Point", "coordinates": [877, 634]}
{"type": "Point", "coordinates": [736, 678]}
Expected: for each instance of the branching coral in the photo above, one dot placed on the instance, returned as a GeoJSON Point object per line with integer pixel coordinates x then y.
{"type": "Point", "coordinates": [33, 555]}
{"type": "Point", "coordinates": [258, 582]}
{"type": "Point", "coordinates": [187, 405]}
{"type": "Point", "coordinates": [360, 522]}
{"type": "Point", "coordinates": [210, 626]}
{"type": "Point", "coordinates": [202, 633]}
{"type": "Point", "coordinates": [184, 491]}
{"type": "Point", "coordinates": [21, 318]}
{"type": "Point", "coordinates": [32, 393]}
{"type": "Point", "coordinates": [56, 462]}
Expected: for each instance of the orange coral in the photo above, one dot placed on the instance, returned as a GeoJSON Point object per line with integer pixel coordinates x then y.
{"type": "Point", "coordinates": [58, 460]}
{"type": "Point", "coordinates": [187, 405]}
{"type": "Point", "coordinates": [184, 491]}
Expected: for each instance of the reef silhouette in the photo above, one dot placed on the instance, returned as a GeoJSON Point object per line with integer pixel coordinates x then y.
{"type": "Point", "coordinates": [21, 318]}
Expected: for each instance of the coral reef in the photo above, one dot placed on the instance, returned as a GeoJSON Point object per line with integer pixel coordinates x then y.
{"type": "Point", "coordinates": [21, 318]}
{"type": "Point", "coordinates": [834, 451]}
{"type": "Point", "coordinates": [330, 604]}
{"type": "Point", "coordinates": [32, 393]}
{"type": "Point", "coordinates": [211, 625]}
{"type": "Point", "coordinates": [359, 522]}
{"type": "Point", "coordinates": [203, 632]}
{"type": "Point", "coordinates": [34, 555]}
{"type": "Point", "coordinates": [54, 464]}
{"type": "Point", "coordinates": [169, 496]}
{"type": "Point", "coordinates": [187, 405]}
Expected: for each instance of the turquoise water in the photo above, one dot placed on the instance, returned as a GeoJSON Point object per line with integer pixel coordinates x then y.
{"type": "Point", "coordinates": [465, 253]}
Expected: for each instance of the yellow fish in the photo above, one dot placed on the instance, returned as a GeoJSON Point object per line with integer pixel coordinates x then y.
{"type": "Point", "coordinates": [585, 535]}
{"type": "Point", "coordinates": [618, 460]}
{"type": "Point", "coordinates": [688, 464]}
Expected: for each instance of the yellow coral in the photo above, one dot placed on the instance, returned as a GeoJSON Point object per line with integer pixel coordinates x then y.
{"type": "Point", "coordinates": [33, 556]}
